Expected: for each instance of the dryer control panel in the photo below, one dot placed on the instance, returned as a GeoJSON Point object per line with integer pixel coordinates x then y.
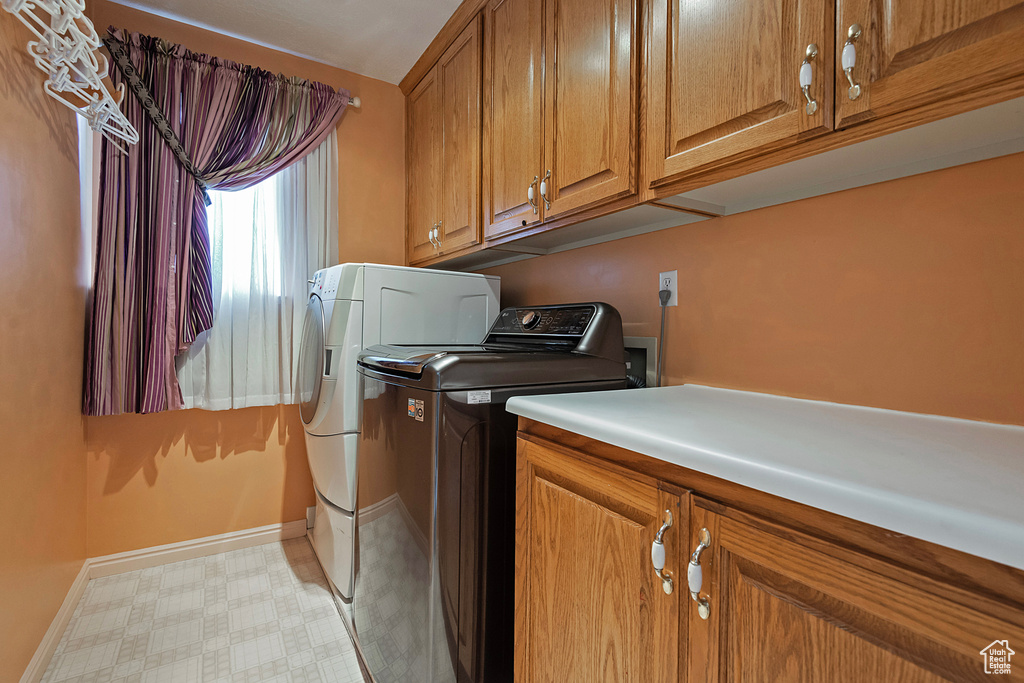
{"type": "Point", "coordinates": [325, 283]}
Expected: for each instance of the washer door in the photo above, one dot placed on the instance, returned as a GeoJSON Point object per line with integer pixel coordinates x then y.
{"type": "Point", "coordinates": [311, 359]}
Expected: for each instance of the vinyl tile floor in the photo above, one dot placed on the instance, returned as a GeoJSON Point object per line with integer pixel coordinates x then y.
{"type": "Point", "coordinates": [259, 614]}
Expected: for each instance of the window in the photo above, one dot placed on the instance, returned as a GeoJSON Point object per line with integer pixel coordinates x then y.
{"type": "Point", "coordinates": [246, 236]}
{"type": "Point", "coordinates": [266, 242]}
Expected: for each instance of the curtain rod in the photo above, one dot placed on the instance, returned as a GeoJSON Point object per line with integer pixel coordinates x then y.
{"type": "Point", "coordinates": [355, 102]}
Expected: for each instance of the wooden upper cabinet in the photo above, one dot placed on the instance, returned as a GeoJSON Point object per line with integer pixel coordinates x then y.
{"type": "Point", "coordinates": [723, 80]}
{"type": "Point", "coordinates": [590, 82]}
{"type": "Point", "coordinates": [789, 608]}
{"type": "Point", "coordinates": [423, 154]}
{"type": "Point", "coordinates": [915, 52]}
{"type": "Point", "coordinates": [588, 605]}
{"type": "Point", "coordinates": [513, 125]}
{"type": "Point", "coordinates": [443, 152]}
{"type": "Point", "coordinates": [561, 92]}
{"type": "Point", "coordinates": [459, 71]}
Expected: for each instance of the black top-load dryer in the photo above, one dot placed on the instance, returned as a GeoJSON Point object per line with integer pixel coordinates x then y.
{"type": "Point", "coordinates": [435, 551]}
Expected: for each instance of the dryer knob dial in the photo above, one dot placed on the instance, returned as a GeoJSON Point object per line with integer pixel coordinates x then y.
{"type": "Point", "coordinates": [531, 319]}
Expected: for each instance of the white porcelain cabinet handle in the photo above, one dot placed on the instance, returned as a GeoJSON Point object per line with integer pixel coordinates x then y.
{"type": "Point", "coordinates": [807, 78]}
{"type": "Point", "coordinates": [850, 59]}
{"type": "Point", "coordinates": [658, 554]}
{"type": "Point", "coordinates": [530, 193]}
{"type": "Point", "coordinates": [695, 575]}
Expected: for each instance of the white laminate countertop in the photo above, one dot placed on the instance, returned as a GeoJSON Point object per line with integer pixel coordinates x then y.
{"type": "Point", "coordinates": [957, 483]}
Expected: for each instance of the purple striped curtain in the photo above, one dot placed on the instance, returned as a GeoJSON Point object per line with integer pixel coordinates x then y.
{"type": "Point", "coordinates": [153, 284]}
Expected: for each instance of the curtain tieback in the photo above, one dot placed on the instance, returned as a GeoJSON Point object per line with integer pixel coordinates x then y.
{"type": "Point", "coordinates": [141, 92]}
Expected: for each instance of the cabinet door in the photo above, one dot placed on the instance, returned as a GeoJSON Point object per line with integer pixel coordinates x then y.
{"type": "Point", "coordinates": [916, 52]}
{"type": "Point", "coordinates": [590, 82]}
{"type": "Point", "coordinates": [424, 160]}
{"type": "Point", "coordinates": [588, 604]}
{"type": "Point", "coordinates": [784, 611]}
{"type": "Point", "coordinates": [513, 52]}
{"type": "Point", "coordinates": [460, 176]}
{"type": "Point", "coordinates": [724, 80]}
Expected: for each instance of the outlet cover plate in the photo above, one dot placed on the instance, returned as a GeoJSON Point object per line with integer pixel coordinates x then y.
{"type": "Point", "coordinates": [672, 277]}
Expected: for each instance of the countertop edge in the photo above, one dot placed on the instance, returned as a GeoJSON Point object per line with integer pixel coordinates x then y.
{"type": "Point", "coordinates": [946, 525]}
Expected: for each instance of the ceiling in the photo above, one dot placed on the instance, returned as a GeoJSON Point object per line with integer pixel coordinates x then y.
{"type": "Point", "coordinates": [377, 38]}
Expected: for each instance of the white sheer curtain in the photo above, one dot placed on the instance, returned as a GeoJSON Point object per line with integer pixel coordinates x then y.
{"type": "Point", "coordinates": [267, 241]}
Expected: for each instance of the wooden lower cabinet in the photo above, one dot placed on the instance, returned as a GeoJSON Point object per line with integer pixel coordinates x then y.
{"type": "Point", "coordinates": [782, 610]}
{"type": "Point", "coordinates": [588, 604]}
{"type": "Point", "coordinates": [784, 605]}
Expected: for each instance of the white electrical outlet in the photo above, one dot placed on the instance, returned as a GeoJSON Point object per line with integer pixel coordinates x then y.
{"type": "Point", "coordinates": [310, 516]}
{"type": "Point", "coordinates": [667, 280]}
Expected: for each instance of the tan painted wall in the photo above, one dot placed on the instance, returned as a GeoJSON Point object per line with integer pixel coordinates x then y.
{"type": "Point", "coordinates": [156, 479]}
{"type": "Point", "coordinates": [42, 318]}
{"type": "Point", "coordinates": [175, 476]}
{"type": "Point", "coordinates": [908, 294]}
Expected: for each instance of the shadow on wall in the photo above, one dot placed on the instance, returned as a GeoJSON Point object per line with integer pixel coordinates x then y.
{"type": "Point", "coordinates": [19, 76]}
{"type": "Point", "coordinates": [135, 443]}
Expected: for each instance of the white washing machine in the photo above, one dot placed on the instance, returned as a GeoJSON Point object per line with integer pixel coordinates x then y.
{"type": "Point", "coordinates": [350, 307]}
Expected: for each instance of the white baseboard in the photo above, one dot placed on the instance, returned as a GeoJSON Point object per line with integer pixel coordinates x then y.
{"type": "Point", "coordinates": [41, 659]}
{"type": "Point", "coordinates": [107, 565]}
{"type": "Point", "coordinates": [189, 550]}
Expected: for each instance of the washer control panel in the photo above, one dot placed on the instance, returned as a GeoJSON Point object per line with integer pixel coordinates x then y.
{"type": "Point", "coordinates": [571, 320]}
